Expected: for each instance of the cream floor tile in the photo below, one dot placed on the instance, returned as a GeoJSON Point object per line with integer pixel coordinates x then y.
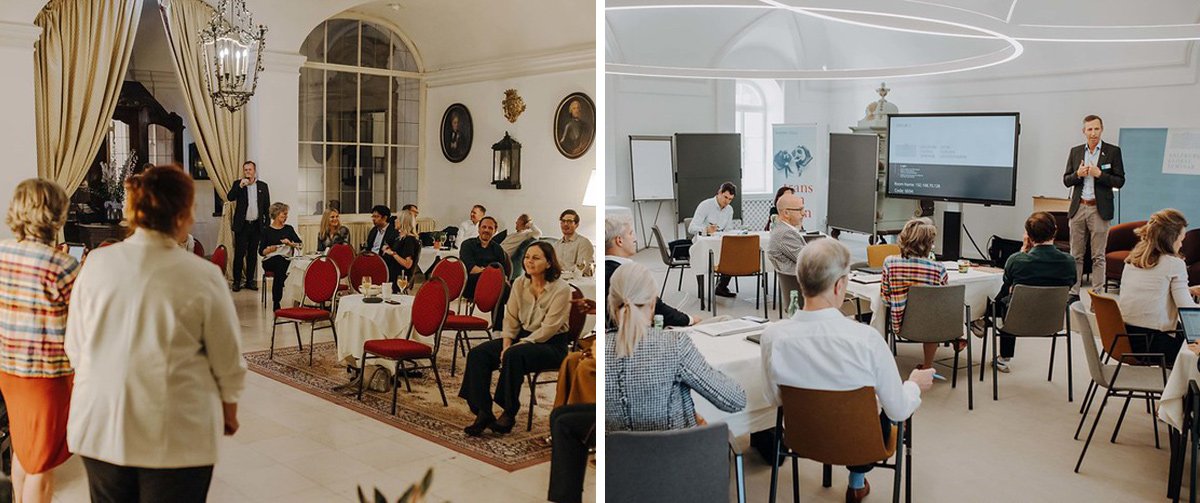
{"type": "Point", "coordinates": [328, 466]}
{"type": "Point", "coordinates": [267, 481]}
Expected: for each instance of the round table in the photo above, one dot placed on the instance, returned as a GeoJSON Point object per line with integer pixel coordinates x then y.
{"type": "Point", "coordinates": [358, 322]}
{"type": "Point", "coordinates": [293, 286]}
{"type": "Point", "coordinates": [429, 254]}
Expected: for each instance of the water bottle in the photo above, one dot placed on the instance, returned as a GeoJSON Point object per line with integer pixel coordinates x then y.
{"type": "Point", "coordinates": [794, 303]}
{"type": "Point", "coordinates": [658, 323]}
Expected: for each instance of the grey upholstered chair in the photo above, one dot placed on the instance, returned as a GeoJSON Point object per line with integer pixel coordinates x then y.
{"type": "Point", "coordinates": [669, 260]}
{"type": "Point", "coordinates": [1033, 311]}
{"type": "Point", "coordinates": [930, 316]}
{"type": "Point", "coordinates": [690, 465]}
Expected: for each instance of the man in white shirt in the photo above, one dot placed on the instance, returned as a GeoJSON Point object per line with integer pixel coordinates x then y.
{"type": "Point", "coordinates": [786, 235]}
{"type": "Point", "coordinates": [469, 228]}
{"type": "Point", "coordinates": [711, 216]}
{"type": "Point", "coordinates": [821, 349]}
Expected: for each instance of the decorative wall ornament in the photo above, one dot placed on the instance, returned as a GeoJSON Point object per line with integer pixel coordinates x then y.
{"type": "Point", "coordinates": [513, 105]}
{"type": "Point", "coordinates": [232, 49]}
{"type": "Point", "coordinates": [457, 132]}
{"type": "Point", "coordinates": [575, 125]}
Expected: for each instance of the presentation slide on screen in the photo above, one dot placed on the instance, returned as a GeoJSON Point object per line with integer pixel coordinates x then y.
{"type": "Point", "coordinates": [954, 157]}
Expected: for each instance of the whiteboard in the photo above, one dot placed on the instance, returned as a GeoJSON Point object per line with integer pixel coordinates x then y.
{"type": "Point", "coordinates": [653, 168]}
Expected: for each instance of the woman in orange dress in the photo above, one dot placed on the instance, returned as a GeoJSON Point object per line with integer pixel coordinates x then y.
{"type": "Point", "coordinates": [35, 374]}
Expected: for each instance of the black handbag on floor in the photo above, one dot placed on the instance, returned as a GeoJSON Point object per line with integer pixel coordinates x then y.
{"type": "Point", "coordinates": [999, 249]}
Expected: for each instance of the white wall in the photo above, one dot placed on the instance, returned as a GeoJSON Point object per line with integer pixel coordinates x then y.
{"type": "Point", "coordinates": [550, 182]}
{"type": "Point", "coordinates": [17, 138]}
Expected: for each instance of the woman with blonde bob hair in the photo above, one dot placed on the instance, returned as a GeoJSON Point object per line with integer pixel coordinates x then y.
{"type": "Point", "coordinates": [154, 338]}
{"type": "Point", "coordinates": [914, 266]}
{"type": "Point", "coordinates": [1154, 285]}
{"type": "Point", "coordinates": [642, 368]}
{"type": "Point", "coordinates": [35, 373]}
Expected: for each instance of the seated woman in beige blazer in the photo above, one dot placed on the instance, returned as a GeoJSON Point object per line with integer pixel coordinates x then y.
{"type": "Point", "coordinates": [153, 336]}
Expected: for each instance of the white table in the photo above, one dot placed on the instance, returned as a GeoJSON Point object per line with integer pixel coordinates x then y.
{"type": "Point", "coordinates": [293, 287]}
{"type": "Point", "coordinates": [1170, 407]}
{"type": "Point", "coordinates": [741, 360]}
{"type": "Point", "coordinates": [981, 283]}
{"type": "Point", "coordinates": [358, 322]}
{"type": "Point", "coordinates": [429, 254]}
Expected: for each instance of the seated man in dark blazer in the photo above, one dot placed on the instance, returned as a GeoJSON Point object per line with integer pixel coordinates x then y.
{"type": "Point", "coordinates": [619, 246]}
{"type": "Point", "coordinates": [1039, 263]}
{"type": "Point", "coordinates": [479, 252]}
{"type": "Point", "coordinates": [382, 234]}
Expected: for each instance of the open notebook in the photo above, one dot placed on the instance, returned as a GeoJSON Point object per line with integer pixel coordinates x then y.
{"type": "Point", "coordinates": [729, 327]}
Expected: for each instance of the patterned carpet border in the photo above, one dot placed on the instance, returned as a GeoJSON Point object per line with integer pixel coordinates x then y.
{"type": "Point", "coordinates": [421, 412]}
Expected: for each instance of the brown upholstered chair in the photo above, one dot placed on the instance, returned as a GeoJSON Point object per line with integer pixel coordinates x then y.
{"type": "Point", "coordinates": [1121, 240]}
{"type": "Point", "coordinates": [877, 253]}
{"type": "Point", "coordinates": [838, 428]}
{"type": "Point", "coordinates": [740, 256]}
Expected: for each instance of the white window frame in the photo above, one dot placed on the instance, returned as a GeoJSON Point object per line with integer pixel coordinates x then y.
{"type": "Point", "coordinates": [772, 112]}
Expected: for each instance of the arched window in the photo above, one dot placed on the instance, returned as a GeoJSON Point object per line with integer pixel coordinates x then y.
{"type": "Point", "coordinates": [360, 114]}
{"type": "Point", "coordinates": [759, 103]}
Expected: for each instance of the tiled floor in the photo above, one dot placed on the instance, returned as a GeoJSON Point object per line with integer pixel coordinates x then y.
{"type": "Point", "coordinates": [296, 448]}
{"type": "Point", "coordinates": [1019, 448]}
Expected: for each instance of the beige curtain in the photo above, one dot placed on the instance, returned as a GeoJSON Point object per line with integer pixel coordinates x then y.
{"type": "Point", "coordinates": [80, 62]}
{"type": "Point", "coordinates": [220, 134]}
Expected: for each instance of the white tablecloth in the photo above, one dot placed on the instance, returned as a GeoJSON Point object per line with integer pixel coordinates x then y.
{"type": "Point", "coordinates": [981, 283]}
{"type": "Point", "coordinates": [702, 244]}
{"type": "Point", "coordinates": [429, 253]}
{"type": "Point", "coordinates": [293, 287]}
{"type": "Point", "coordinates": [741, 360]}
{"type": "Point", "coordinates": [1170, 408]}
{"type": "Point", "coordinates": [358, 322]}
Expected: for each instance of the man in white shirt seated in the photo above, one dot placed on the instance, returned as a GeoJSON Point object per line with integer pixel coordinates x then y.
{"type": "Point", "coordinates": [787, 235]}
{"type": "Point", "coordinates": [620, 245]}
{"type": "Point", "coordinates": [821, 349]}
{"type": "Point", "coordinates": [711, 216]}
{"type": "Point", "coordinates": [469, 228]}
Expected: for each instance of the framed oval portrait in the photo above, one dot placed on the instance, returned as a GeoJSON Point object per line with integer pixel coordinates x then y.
{"type": "Point", "coordinates": [575, 125]}
{"type": "Point", "coordinates": [457, 130]}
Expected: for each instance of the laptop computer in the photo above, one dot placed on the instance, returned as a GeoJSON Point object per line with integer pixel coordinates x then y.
{"type": "Point", "coordinates": [1189, 317]}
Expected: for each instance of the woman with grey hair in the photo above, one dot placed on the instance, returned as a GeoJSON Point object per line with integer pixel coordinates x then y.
{"type": "Point", "coordinates": [649, 377]}
{"type": "Point", "coordinates": [35, 373]}
{"type": "Point", "coordinates": [279, 240]}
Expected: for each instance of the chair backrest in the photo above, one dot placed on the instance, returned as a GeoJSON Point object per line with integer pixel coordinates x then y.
{"type": "Point", "coordinates": [220, 257]}
{"type": "Point", "coordinates": [342, 255]}
{"type": "Point", "coordinates": [426, 224]}
{"type": "Point", "coordinates": [430, 308]}
{"type": "Point", "coordinates": [198, 248]}
{"type": "Point", "coordinates": [877, 253]}
{"type": "Point", "coordinates": [321, 280]}
{"type": "Point", "coordinates": [368, 265]}
{"type": "Point", "coordinates": [489, 289]}
{"type": "Point", "coordinates": [1110, 323]}
{"type": "Point", "coordinates": [834, 427]}
{"type": "Point", "coordinates": [1036, 310]}
{"type": "Point", "coordinates": [676, 465]}
{"type": "Point", "coordinates": [661, 243]}
{"type": "Point", "coordinates": [788, 283]}
{"type": "Point", "coordinates": [740, 255]}
{"type": "Point", "coordinates": [1083, 321]}
{"type": "Point", "coordinates": [517, 261]}
{"type": "Point", "coordinates": [934, 313]}
{"type": "Point", "coordinates": [452, 271]}
{"type": "Point", "coordinates": [1122, 237]}
{"type": "Point", "coordinates": [577, 318]}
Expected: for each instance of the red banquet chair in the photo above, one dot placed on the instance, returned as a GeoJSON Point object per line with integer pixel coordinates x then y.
{"type": "Point", "coordinates": [320, 283]}
{"type": "Point", "coordinates": [452, 271]}
{"type": "Point", "coordinates": [368, 265]}
{"type": "Point", "coordinates": [428, 317]}
{"type": "Point", "coordinates": [488, 292]}
{"type": "Point", "coordinates": [220, 257]}
{"type": "Point", "coordinates": [198, 248]}
{"type": "Point", "coordinates": [342, 255]}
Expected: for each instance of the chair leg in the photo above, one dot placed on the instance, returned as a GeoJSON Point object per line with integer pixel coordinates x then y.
{"type": "Point", "coordinates": [954, 372]}
{"type": "Point", "coordinates": [664, 285]}
{"type": "Point", "coordinates": [1153, 420]}
{"type": "Point", "coordinates": [1121, 419]}
{"type": "Point", "coordinates": [680, 287]}
{"type": "Point", "coordinates": [995, 357]}
{"type": "Point", "coordinates": [454, 353]}
{"type": "Point", "coordinates": [970, 377]}
{"type": "Point", "coordinates": [1070, 372]}
{"type": "Point", "coordinates": [899, 465]}
{"type": "Point", "coordinates": [394, 386]}
{"type": "Point", "coordinates": [532, 400]}
{"type": "Point", "coordinates": [312, 329]}
{"type": "Point", "coordinates": [402, 370]}
{"type": "Point", "coordinates": [1088, 399]}
{"type": "Point", "coordinates": [437, 377]}
{"type": "Point", "coordinates": [1086, 395]}
{"type": "Point", "coordinates": [299, 342]}
{"type": "Point", "coordinates": [363, 375]}
{"type": "Point", "coordinates": [908, 464]}
{"type": "Point", "coordinates": [795, 480]}
{"type": "Point", "coordinates": [983, 353]}
{"type": "Point", "coordinates": [271, 354]}
{"type": "Point", "coordinates": [1093, 430]}
{"type": "Point", "coordinates": [826, 475]}
{"type": "Point", "coordinates": [1050, 373]}
{"type": "Point", "coordinates": [774, 461]}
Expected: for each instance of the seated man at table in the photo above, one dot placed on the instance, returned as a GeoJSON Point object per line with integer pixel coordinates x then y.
{"type": "Point", "coordinates": [382, 233]}
{"type": "Point", "coordinates": [711, 216]}
{"type": "Point", "coordinates": [523, 230]}
{"type": "Point", "coordinates": [574, 251]}
{"type": "Point", "coordinates": [787, 235]}
{"type": "Point", "coordinates": [1038, 263]}
{"type": "Point", "coordinates": [479, 252]}
{"type": "Point", "coordinates": [820, 349]}
{"type": "Point", "coordinates": [620, 245]}
{"type": "Point", "coordinates": [469, 228]}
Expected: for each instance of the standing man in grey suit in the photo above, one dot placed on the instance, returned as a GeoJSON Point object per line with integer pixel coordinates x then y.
{"type": "Point", "coordinates": [786, 234]}
{"type": "Point", "coordinates": [1094, 169]}
{"type": "Point", "coordinates": [251, 201]}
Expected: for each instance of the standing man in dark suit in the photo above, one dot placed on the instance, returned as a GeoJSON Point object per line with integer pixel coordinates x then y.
{"type": "Point", "coordinates": [252, 200]}
{"type": "Point", "coordinates": [1094, 169]}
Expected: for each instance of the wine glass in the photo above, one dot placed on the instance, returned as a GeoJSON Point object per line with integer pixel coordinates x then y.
{"type": "Point", "coordinates": [402, 282]}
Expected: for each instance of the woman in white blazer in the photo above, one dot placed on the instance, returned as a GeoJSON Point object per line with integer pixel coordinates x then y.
{"type": "Point", "coordinates": [154, 339]}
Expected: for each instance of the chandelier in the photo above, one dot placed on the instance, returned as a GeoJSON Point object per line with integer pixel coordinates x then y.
{"type": "Point", "coordinates": [232, 50]}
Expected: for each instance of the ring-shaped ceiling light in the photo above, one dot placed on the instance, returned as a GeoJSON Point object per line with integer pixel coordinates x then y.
{"type": "Point", "coordinates": [1004, 55]}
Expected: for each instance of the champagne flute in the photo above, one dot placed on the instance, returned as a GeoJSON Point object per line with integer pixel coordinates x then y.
{"type": "Point", "coordinates": [402, 281]}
